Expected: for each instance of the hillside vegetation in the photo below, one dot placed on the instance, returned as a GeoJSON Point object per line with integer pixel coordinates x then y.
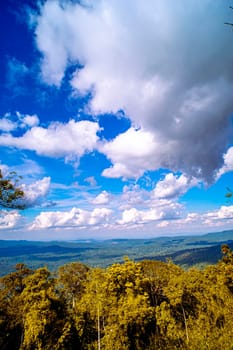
{"type": "Point", "coordinates": [186, 251]}
{"type": "Point", "coordinates": [143, 305]}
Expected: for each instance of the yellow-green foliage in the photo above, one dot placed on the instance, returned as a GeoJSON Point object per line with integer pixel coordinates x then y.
{"type": "Point", "coordinates": [144, 305]}
{"type": "Point", "coordinates": [11, 195]}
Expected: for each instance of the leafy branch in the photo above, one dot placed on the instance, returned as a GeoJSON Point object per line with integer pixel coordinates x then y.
{"type": "Point", "coordinates": [11, 195]}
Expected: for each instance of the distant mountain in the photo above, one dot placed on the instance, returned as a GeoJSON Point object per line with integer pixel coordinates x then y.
{"type": "Point", "coordinates": [195, 256]}
{"type": "Point", "coordinates": [183, 250]}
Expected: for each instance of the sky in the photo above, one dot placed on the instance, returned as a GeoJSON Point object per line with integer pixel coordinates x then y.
{"type": "Point", "coordinates": [118, 116]}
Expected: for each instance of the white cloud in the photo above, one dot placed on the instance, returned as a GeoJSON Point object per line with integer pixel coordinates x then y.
{"type": "Point", "coordinates": [6, 125]}
{"type": "Point", "coordinates": [91, 180]}
{"type": "Point", "coordinates": [158, 203]}
{"type": "Point", "coordinates": [173, 186]}
{"type": "Point", "coordinates": [162, 210]}
{"type": "Point", "coordinates": [27, 120]}
{"type": "Point", "coordinates": [11, 122]}
{"type": "Point", "coordinates": [36, 192]}
{"type": "Point", "coordinates": [192, 217]}
{"type": "Point", "coordinates": [9, 219]}
{"type": "Point", "coordinates": [221, 218]}
{"type": "Point", "coordinates": [131, 215]}
{"type": "Point", "coordinates": [228, 163]}
{"type": "Point", "coordinates": [134, 196]}
{"type": "Point", "coordinates": [102, 198]}
{"type": "Point", "coordinates": [160, 207]}
{"type": "Point", "coordinates": [150, 59]}
{"type": "Point", "coordinates": [68, 140]}
{"type": "Point", "coordinates": [76, 217]}
{"type": "Point", "coordinates": [225, 212]}
{"type": "Point", "coordinates": [100, 216]}
{"type": "Point", "coordinates": [169, 217]}
{"type": "Point", "coordinates": [31, 120]}
{"type": "Point", "coordinates": [132, 153]}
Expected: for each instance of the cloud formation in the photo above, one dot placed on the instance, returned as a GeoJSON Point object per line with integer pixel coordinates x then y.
{"type": "Point", "coordinates": [131, 153]}
{"type": "Point", "coordinates": [9, 219]}
{"type": "Point", "coordinates": [36, 192]}
{"type": "Point", "coordinates": [6, 125]}
{"type": "Point", "coordinates": [162, 210]}
{"type": "Point", "coordinates": [173, 186]}
{"type": "Point", "coordinates": [9, 123]}
{"type": "Point", "coordinates": [76, 217]}
{"type": "Point", "coordinates": [70, 140]}
{"type": "Point", "coordinates": [102, 198]}
{"type": "Point", "coordinates": [158, 210]}
{"type": "Point", "coordinates": [228, 163]}
{"type": "Point", "coordinates": [172, 77]}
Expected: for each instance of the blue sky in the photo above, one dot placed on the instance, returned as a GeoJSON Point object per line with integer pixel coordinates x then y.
{"type": "Point", "coordinates": [118, 115]}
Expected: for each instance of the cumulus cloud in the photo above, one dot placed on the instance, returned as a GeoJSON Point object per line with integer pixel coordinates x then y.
{"type": "Point", "coordinates": [225, 212]}
{"type": "Point", "coordinates": [160, 207]}
{"type": "Point", "coordinates": [6, 125]}
{"type": "Point", "coordinates": [9, 122]}
{"type": "Point", "coordinates": [165, 192]}
{"type": "Point", "coordinates": [163, 210]}
{"type": "Point", "coordinates": [134, 196]}
{"type": "Point", "coordinates": [36, 192]}
{"type": "Point", "coordinates": [173, 186]}
{"type": "Point", "coordinates": [170, 75]}
{"type": "Point", "coordinates": [102, 198]}
{"type": "Point", "coordinates": [9, 219]}
{"type": "Point", "coordinates": [68, 140]}
{"type": "Point", "coordinates": [76, 217]}
{"type": "Point", "coordinates": [132, 153]}
{"type": "Point", "coordinates": [27, 120]}
{"type": "Point", "coordinates": [228, 163]}
{"type": "Point", "coordinates": [156, 206]}
{"type": "Point", "coordinates": [221, 218]}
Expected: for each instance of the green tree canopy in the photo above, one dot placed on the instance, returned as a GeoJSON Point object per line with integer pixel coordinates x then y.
{"type": "Point", "coordinates": [11, 195]}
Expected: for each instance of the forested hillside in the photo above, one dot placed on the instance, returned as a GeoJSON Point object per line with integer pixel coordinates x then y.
{"type": "Point", "coordinates": [186, 251]}
{"type": "Point", "coordinates": [135, 305]}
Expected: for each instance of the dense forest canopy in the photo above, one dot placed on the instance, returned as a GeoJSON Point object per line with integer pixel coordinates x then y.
{"type": "Point", "coordinates": [135, 305]}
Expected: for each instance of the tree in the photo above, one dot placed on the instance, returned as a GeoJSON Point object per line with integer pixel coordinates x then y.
{"type": "Point", "coordinates": [229, 193]}
{"type": "Point", "coordinates": [71, 278]}
{"type": "Point", "coordinates": [227, 254]}
{"type": "Point", "coordinates": [11, 307]}
{"type": "Point", "coordinates": [46, 325]}
{"type": "Point", "coordinates": [11, 195]}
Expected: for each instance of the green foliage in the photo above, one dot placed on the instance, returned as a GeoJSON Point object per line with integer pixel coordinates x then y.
{"type": "Point", "coordinates": [185, 251]}
{"type": "Point", "coordinates": [227, 254]}
{"type": "Point", "coordinates": [229, 193]}
{"type": "Point", "coordinates": [11, 287]}
{"type": "Point", "coordinates": [129, 306]}
{"type": "Point", "coordinates": [46, 323]}
{"type": "Point", "coordinates": [11, 194]}
{"type": "Point", "coordinates": [71, 279]}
